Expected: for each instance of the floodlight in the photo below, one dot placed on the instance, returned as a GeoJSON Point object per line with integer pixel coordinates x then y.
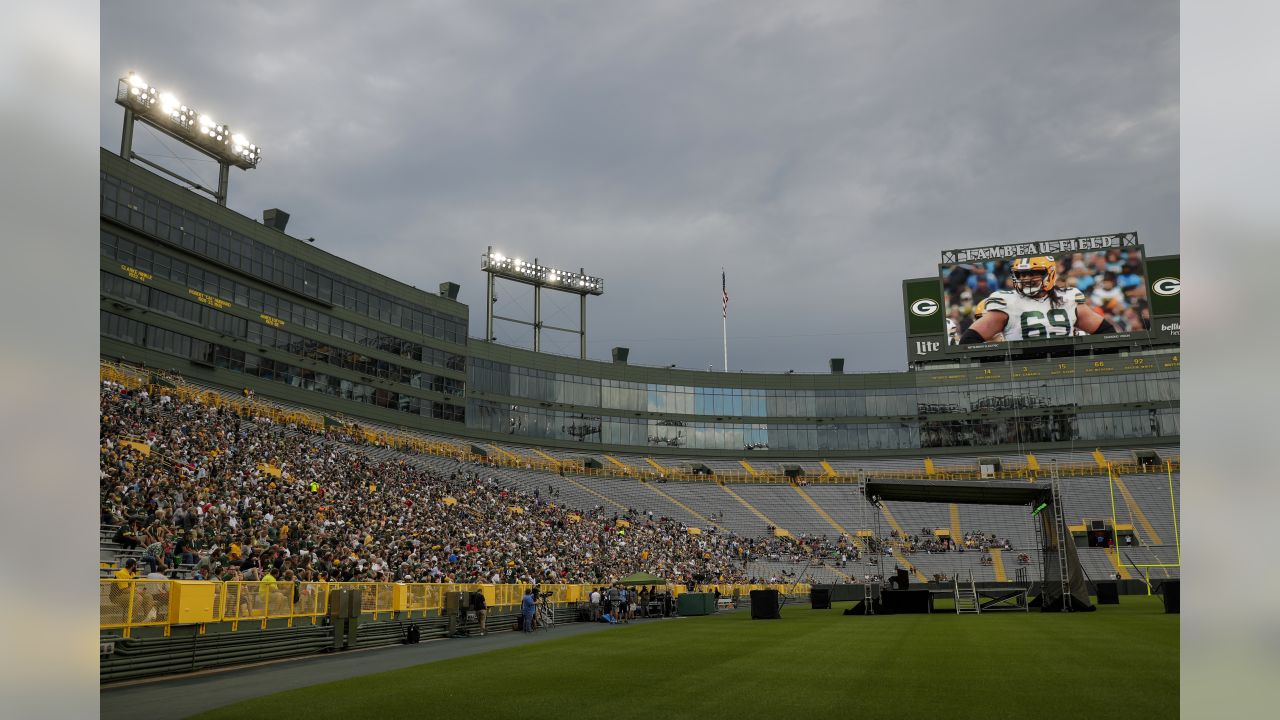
{"type": "Point", "coordinates": [164, 111]}
{"type": "Point", "coordinates": [539, 276]}
{"type": "Point", "coordinates": [536, 274]}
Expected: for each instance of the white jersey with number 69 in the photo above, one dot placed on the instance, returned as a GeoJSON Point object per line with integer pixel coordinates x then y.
{"type": "Point", "coordinates": [1036, 318]}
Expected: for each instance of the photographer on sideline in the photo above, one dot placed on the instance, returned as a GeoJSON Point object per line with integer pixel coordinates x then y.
{"type": "Point", "coordinates": [595, 605]}
{"type": "Point", "coordinates": [526, 611]}
{"type": "Point", "coordinates": [481, 609]}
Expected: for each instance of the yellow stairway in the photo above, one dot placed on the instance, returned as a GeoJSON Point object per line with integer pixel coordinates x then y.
{"type": "Point", "coordinates": [625, 467]}
{"type": "Point", "coordinates": [1114, 556]}
{"type": "Point", "coordinates": [1132, 504]}
{"type": "Point", "coordinates": [764, 518]}
{"type": "Point", "coordinates": [897, 554]}
{"type": "Point", "coordinates": [673, 500]}
{"type": "Point", "coordinates": [549, 458]}
{"type": "Point", "coordinates": [818, 509]}
{"type": "Point", "coordinates": [598, 494]}
{"type": "Point", "coordinates": [997, 561]}
{"type": "Point", "coordinates": [503, 451]}
{"type": "Point", "coordinates": [654, 464]}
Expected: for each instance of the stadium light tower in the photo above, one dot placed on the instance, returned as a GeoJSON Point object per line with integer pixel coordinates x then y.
{"type": "Point", "coordinates": [164, 112]}
{"type": "Point", "coordinates": [531, 273]}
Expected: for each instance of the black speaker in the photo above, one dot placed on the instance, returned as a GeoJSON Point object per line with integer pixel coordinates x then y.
{"type": "Point", "coordinates": [1108, 593]}
{"type": "Point", "coordinates": [764, 605]}
{"type": "Point", "coordinates": [837, 365]}
{"type": "Point", "coordinates": [449, 290]}
{"type": "Point", "coordinates": [1169, 593]}
{"type": "Point", "coordinates": [820, 598]}
{"type": "Point", "coordinates": [620, 354]}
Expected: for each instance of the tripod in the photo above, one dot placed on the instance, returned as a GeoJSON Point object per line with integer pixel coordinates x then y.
{"type": "Point", "coordinates": [807, 570]}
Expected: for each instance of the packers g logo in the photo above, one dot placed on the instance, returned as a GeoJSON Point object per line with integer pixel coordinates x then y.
{"type": "Point", "coordinates": [1166, 286]}
{"type": "Point", "coordinates": [924, 308]}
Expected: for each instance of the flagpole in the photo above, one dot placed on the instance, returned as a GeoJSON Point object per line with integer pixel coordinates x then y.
{"type": "Point", "coordinates": [724, 317]}
{"type": "Point", "coordinates": [725, 334]}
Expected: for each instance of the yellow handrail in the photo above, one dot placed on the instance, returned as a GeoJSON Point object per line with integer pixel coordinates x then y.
{"type": "Point", "coordinates": [126, 605]}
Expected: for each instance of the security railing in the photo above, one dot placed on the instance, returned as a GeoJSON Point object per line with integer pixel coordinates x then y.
{"type": "Point", "coordinates": [133, 603]}
{"type": "Point", "coordinates": [126, 605]}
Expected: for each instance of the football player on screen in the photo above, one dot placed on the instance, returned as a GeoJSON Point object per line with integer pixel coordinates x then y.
{"type": "Point", "coordinates": [1035, 308]}
{"type": "Point", "coordinates": [978, 311]}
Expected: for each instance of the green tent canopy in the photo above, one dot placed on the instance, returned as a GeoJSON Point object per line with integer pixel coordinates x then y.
{"type": "Point", "coordinates": [642, 578]}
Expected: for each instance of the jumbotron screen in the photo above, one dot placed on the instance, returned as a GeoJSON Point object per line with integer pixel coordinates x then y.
{"type": "Point", "coordinates": [1045, 297]}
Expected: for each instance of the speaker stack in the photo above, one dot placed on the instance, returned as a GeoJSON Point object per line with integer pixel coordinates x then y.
{"type": "Point", "coordinates": [1168, 593]}
{"type": "Point", "coordinates": [1108, 592]}
{"type": "Point", "coordinates": [764, 605]}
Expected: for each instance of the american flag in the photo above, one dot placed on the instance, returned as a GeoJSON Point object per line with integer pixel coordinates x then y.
{"type": "Point", "coordinates": [724, 292]}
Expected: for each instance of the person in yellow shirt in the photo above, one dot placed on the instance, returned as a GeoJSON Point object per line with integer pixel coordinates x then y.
{"type": "Point", "coordinates": [128, 572]}
{"type": "Point", "coordinates": [121, 588]}
{"type": "Point", "coordinates": [266, 586]}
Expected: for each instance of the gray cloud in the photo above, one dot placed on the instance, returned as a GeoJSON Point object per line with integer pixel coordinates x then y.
{"type": "Point", "coordinates": [821, 153]}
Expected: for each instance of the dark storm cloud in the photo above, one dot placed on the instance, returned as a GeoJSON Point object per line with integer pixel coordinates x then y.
{"type": "Point", "coordinates": [820, 152]}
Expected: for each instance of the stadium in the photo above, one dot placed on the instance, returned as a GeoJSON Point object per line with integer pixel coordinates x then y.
{"type": "Point", "coordinates": [321, 496]}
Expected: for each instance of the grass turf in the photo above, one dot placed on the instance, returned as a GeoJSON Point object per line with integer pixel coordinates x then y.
{"type": "Point", "coordinates": [1121, 659]}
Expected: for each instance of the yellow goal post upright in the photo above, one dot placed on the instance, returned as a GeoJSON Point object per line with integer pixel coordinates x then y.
{"type": "Point", "coordinates": [1144, 568]}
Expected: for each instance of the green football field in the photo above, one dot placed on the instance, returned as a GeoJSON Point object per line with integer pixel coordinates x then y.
{"type": "Point", "coordinates": [1120, 661]}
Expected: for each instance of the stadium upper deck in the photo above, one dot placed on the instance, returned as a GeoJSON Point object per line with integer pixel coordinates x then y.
{"type": "Point", "coordinates": [191, 285]}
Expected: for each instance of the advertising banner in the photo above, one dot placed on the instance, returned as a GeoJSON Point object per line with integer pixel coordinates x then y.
{"type": "Point", "coordinates": [1165, 285]}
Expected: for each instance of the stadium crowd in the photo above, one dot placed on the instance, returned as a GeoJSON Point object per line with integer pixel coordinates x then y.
{"type": "Point", "coordinates": [244, 499]}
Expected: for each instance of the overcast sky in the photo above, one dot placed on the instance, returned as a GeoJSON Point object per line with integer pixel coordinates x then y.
{"type": "Point", "coordinates": [821, 152]}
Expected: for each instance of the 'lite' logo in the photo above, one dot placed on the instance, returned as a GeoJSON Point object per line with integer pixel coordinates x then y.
{"type": "Point", "coordinates": [924, 347]}
{"type": "Point", "coordinates": [924, 308]}
{"type": "Point", "coordinates": [1166, 286]}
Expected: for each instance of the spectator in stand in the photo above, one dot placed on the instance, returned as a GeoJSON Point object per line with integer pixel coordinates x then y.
{"type": "Point", "coordinates": [206, 461]}
{"type": "Point", "coordinates": [126, 535]}
{"type": "Point", "coordinates": [182, 549]}
{"type": "Point", "coordinates": [120, 589]}
{"type": "Point", "coordinates": [155, 538]}
{"type": "Point", "coordinates": [128, 572]}
{"type": "Point", "coordinates": [267, 589]}
{"type": "Point", "coordinates": [205, 564]}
